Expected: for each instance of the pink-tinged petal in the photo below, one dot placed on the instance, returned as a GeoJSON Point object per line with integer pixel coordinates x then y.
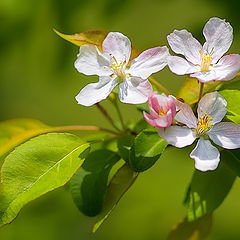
{"type": "Point", "coordinates": [177, 136]}
{"type": "Point", "coordinates": [182, 42]}
{"type": "Point", "coordinates": [180, 66]}
{"type": "Point", "coordinates": [95, 92]}
{"type": "Point", "coordinates": [206, 156]}
{"type": "Point", "coordinates": [134, 90]}
{"type": "Point", "coordinates": [118, 46]}
{"type": "Point", "coordinates": [219, 36]}
{"type": "Point", "coordinates": [149, 62]}
{"type": "Point", "coordinates": [226, 135]}
{"type": "Point", "coordinates": [227, 67]}
{"type": "Point", "coordinates": [162, 110]}
{"type": "Point", "coordinates": [214, 105]}
{"type": "Point", "coordinates": [90, 61]}
{"type": "Point", "coordinates": [157, 101]}
{"type": "Point", "coordinates": [185, 115]}
{"type": "Point", "coordinates": [159, 121]}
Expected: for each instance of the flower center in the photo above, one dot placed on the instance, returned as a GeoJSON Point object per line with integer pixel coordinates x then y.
{"type": "Point", "coordinates": [204, 124]}
{"type": "Point", "coordinates": [206, 59]}
{"type": "Point", "coordinates": [118, 68]}
{"type": "Point", "coordinates": [161, 112]}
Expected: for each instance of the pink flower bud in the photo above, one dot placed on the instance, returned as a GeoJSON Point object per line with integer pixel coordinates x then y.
{"type": "Point", "coordinates": [162, 110]}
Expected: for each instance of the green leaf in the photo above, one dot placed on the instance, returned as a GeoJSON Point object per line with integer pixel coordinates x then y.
{"type": "Point", "coordinates": [94, 37]}
{"type": "Point", "coordinates": [11, 128]}
{"type": "Point", "coordinates": [232, 159]}
{"type": "Point", "coordinates": [118, 186]}
{"type": "Point", "coordinates": [233, 84]}
{"type": "Point", "coordinates": [37, 167]}
{"type": "Point", "coordinates": [124, 146]}
{"type": "Point", "coordinates": [136, 126]}
{"type": "Point", "coordinates": [207, 190]}
{"type": "Point", "coordinates": [233, 98]}
{"type": "Point", "coordinates": [89, 184]}
{"type": "Point", "coordinates": [143, 107]}
{"type": "Point", "coordinates": [196, 230]}
{"type": "Point", "coordinates": [189, 91]}
{"type": "Point", "coordinates": [146, 150]}
{"type": "Point", "coordinates": [16, 131]}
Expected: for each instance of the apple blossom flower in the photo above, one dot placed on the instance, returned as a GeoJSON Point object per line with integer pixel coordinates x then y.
{"type": "Point", "coordinates": [112, 68]}
{"type": "Point", "coordinates": [206, 63]}
{"type": "Point", "coordinates": [162, 110]}
{"type": "Point", "coordinates": [211, 110]}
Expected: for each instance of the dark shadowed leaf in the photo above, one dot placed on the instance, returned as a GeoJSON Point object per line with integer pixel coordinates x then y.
{"type": "Point", "coordinates": [124, 146]}
{"type": "Point", "coordinates": [89, 184]}
{"type": "Point", "coordinates": [118, 186]}
{"type": "Point", "coordinates": [207, 190]}
{"type": "Point", "coordinates": [232, 159]}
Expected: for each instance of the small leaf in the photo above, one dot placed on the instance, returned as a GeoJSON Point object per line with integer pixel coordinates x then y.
{"type": "Point", "coordinates": [146, 150]}
{"type": "Point", "coordinates": [118, 186]}
{"type": "Point", "coordinates": [95, 37]}
{"type": "Point", "coordinates": [207, 190]}
{"type": "Point", "coordinates": [124, 146]}
{"type": "Point", "coordinates": [197, 230]}
{"type": "Point", "coordinates": [37, 167]}
{"type": "Point", "coordinates": [89, 184]}
{"type": "Point", "coordinates": [189, 91]}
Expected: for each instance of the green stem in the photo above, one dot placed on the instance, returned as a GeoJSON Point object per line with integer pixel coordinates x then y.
{"type": "Point", "coordinates": [201, 91]}
{"type": "Point", "coordinates": [82, 128]}
{"type": "Point", "coordinates": [104, 112]}
{"type": "Point", "coordinates": [151, 79]}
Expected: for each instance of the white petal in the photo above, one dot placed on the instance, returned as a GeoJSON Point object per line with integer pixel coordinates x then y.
{"type": "Point", "coordinates": [177, 136]}
{"type": "Point", "coordinates": [182, 42]}
{"type": "Point", "coordinates": [212, 104]}
{"type": "Point", "coordinates": [206, 156]}
{"type": "Point", "coordinates": [90, 61]}
{"type": "Point", "coordinates": [185, 114]}
{"type": "Point", "coordinates": [149, 62]}
{"type": "Point", "coordinates": [227, 67]}
{"type": "Point", "coordinates": [204, 77]}
{"type": "Point", "coordinates": [118, 46]}
{"type": "Point", "coordinates": [95, 92]}
{"type": "Point", "coordinates": [180, 66]}
{"type": "Point", "coordinates": [134, 90]}
{"type": "Point", "coordinates": [226, 135]}
{"type": "Point", "coordinates": [219, 36]}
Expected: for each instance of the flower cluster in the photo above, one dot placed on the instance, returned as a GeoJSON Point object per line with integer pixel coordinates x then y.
{"type": "Point", "coordinates": [174, 119]}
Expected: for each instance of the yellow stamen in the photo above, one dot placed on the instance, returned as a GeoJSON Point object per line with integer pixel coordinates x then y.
{"type": "Point", "coordinates": [161, 112]}
{"type": "Point", "coordinates": [206, 59]}
{"type": "Point", "coordinates": [118, 67]}
{"type": "Point", "coordinates": [204, 124]}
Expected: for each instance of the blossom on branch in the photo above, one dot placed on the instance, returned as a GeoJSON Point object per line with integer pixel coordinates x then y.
{"type": "Point", "coordinates": [112, 68]}
{"type": "Point", "coordinates": [162, 110]}
{"type": "Point", "coordinates": [206, 63]}
{"type": "Point", "coordinates": [211, 110]}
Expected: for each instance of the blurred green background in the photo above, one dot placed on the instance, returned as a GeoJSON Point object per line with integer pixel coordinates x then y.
{"type": "Point", "coordinates": [38, 80]}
